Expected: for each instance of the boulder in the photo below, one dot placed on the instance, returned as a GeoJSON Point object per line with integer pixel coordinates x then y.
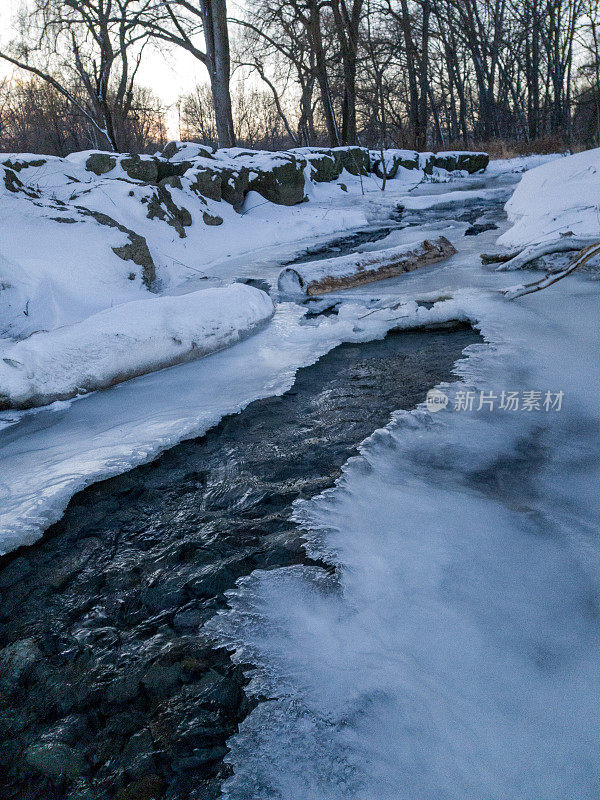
{"type": "Point", "coordinates": [212, 219]}
{"type": "Point", "coordinates": [392, 161]}
{"type": "Point", "coordinates": [18, 660]}
{"type": "Point", "coordinates": [471, 162]}
{"type": "Point", "coordinates": [234, 185]}
{"type": "Point", "coordinates": [19, 163]}
{"type": "Point", "coordinates": [135, 250]}
{"type": "Point", "coordinates": [184, 151]}
{"type": "Point", "coordinates": [324, 164]}
{"type": "Point", "coordinates": [356, 160]}
{"type": "Point", "coordinates": [162, 205]}
{"type": "Point", "coordinates": [281, 181]}
{"type": "Point", "coordinates": [140, 168]}
{"type": "Point", "coordinates": [101, 163]}
{"type": "Point", "coordinates": [168, 169]}
{"type": "Point", "coordinates": [206, 182]}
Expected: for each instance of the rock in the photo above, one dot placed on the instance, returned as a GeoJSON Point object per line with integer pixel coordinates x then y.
{"type": "Point", "coordinates": [17, 661]}
{"type": "Point", "coordinates": [166, 169]}
{"type": "Point", "coordinates": [149, 787]}
{"type": "Point", "coordinates": [392, 161]}
{"type": "Point", "coordinates": [211, 580]}
{"type": "Point", "coordinates": [356, 160]}
{"type": "Point", "coordinates": [471, 162]}
{"type": "Point", "coordinates": [100, 163]}
{"type": "Point", "coordinates": [163, 206]}
{"type": "Point", "coordinates": [191, 618]}
{"type": "Point", "coordinates": [283, 183]}
{"type": "Point", "coordinates": [123, 689]}
{"type": "Point", "coordinates": [137, 756]}
{"type": "Point", "coordinates": [62, 576]}
{"type": "Point", "coordinates": [56, 760]}
{"type": "Point", "coordinates": [188, 150]}
{"type": "Point", "coordinates": [14, 184]}
{"type": "Point", "coordinates": [14, 572]}
{"type": "Point", "coordinates": [234, 185]}
{"type": "Point", "coordinates": [210, 219]}
{"type": "Point", "coordinates": [171, 149]}
{"type": "Point", "coordinates": [481, 227]}
{"type": "Point", "coordinates": [19, 163]}
{"type": "Point", "coordinates": [325, 167]}
{"type": "Point", "coordinates": [216, 689]}
{"type": "Point", "coordinates": [160, 678]}
{"type": "Point", "coordinates": [201, 756]}
{"type": "Point", "coordinates": [137, 250]}
{"type": "Point", "coordinates": [140, 168]}
{"type": "Point", "coordinates": [206, 183]}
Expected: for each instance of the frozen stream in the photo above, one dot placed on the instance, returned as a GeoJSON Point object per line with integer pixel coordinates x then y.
{"type": "Point", "coordinates": [440, 637]}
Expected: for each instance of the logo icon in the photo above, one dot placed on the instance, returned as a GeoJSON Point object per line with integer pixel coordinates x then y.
{"type": "Point", "coordinates": [436, 400]}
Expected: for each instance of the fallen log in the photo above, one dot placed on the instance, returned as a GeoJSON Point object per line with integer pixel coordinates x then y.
{"type": "Point", "coordinates": [585, 255]}
{"type": "Point", "coordinates": [358, 269]}
{"type": "Point", "coordinates": [529, 254]}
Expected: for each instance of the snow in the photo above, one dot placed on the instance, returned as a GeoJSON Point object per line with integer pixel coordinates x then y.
{"type": "Point", "coordinates": [132, 339]}
{"type": "Point", "coordinates": [100, 435]}
{"type": "Point", "coordinates": [454, 653]}
{"type": "Point", "coordinates": [49, 455]}
{"type": "Point", "coordinates": [556, 199]}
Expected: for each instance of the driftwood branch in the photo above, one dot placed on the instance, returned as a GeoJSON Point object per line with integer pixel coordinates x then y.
{"type": "Point", "coordinates": [583, 257]}
{"type": "Point", "coordinates": [529, 254]}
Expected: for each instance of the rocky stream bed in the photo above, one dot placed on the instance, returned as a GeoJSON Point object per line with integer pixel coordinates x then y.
{"type": "Point", "coordinates": [108, 689]}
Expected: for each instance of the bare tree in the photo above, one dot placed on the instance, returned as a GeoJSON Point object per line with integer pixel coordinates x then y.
{"type": "Point", "coordinates": [180, 23]}
{"type": "Point", "coordinates": [94, 44]}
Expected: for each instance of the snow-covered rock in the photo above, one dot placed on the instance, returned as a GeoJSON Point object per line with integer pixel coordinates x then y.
{"type": "Point", "coordinates": [132, 339]}
{"type": "Point", "coordinates": [558, 199]}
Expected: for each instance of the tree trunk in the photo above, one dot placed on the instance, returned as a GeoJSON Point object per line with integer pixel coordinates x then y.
{"type": "Point", "coordinates": [316, 40]}
{"type": "Point", "coordinates": [214, 17]}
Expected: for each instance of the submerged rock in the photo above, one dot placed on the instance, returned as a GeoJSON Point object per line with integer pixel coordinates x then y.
{"type": "Point", "coordinates": [56, 760]}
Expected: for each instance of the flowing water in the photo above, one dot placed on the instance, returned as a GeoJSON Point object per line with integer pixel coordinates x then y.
{"type": "Point", "coordinates": [108, 689]}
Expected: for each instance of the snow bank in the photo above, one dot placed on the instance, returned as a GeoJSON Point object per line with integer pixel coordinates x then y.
{"type": "Point", "coordinates": [132, 339]}
{"type": "Point", "coordinates": [554, 200]}
{"type": "Point", "coordinates": [357, 269]}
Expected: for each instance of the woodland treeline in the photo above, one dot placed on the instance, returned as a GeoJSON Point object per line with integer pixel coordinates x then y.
{"type": "Point", "coordinates": [424, 74]}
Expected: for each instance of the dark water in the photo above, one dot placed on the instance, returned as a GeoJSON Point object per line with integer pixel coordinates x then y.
{"type": "Point", "coordinates": [342, 246]}
{"type": "Point", "coordinates": [107, 688]}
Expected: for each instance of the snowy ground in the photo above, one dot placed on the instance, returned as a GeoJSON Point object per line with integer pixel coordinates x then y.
{"type": "Point", "coordinates": [454, 653]}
